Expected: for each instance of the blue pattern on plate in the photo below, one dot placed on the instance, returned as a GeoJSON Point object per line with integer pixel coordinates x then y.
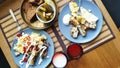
{"type": "Point", "coordinates": [45, 61]}
{"type": "Point", "coordinates": [91, 34]}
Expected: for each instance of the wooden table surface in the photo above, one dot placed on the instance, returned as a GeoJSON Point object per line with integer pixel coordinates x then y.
{"type": "Point", "coordinates": [105, 56]}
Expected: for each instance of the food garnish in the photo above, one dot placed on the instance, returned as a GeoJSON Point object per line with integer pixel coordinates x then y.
{"type": "Point", "coordinates": [80, 23]}
{"type": "Point", "coordinates": [66, 19]}
{"type": "Point", "coordinates": [31, 46]}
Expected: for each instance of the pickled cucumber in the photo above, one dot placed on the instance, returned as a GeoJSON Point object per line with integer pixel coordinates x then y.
{"type": "Point", "coordinates": [42, 9]}
{"type": "Point", "coordinates": [40, 14]}
{"type": "Point", "coordinates": [48, 8]}
{"type": "Point", "coordinates": [45, 12]}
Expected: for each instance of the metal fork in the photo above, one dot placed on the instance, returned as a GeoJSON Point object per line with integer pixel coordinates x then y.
{"type": "Point", "coordinates": [14, 18]}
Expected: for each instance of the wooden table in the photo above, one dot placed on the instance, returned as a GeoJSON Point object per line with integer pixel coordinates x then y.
{"type": "Point", "coordinates": [105, 56]}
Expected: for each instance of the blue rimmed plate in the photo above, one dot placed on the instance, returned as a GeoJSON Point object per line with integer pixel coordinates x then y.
{"type": "Point", "coordinates": [91, 34]}
{"type": "Point", "coordinates": [45, 61]}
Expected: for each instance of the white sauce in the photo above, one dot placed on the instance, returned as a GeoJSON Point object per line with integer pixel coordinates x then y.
{"type": "Point", "coordinates": [88, 16]}
{"type": "Point", "coordinates": [40, 55]}
{"type": "Point", "coordinates": [21, 61]}
{"type": "Point", "coordinates": [66, 19]}
{"type": "Point", "coordinates": [60, 61]}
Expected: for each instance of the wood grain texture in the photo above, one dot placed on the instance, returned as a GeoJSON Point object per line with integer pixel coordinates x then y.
{"type": "Point", "coordinates": [5, 48]}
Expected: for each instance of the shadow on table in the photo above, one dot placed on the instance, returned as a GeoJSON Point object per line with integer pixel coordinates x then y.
{"type": "Point", "coordinates": [3, 61]}
{"type": "Point", "coordinates": [114, 10]}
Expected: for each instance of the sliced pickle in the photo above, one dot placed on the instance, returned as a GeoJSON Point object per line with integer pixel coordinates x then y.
{"type": "Point", "coordinates": [48, 14]}
{"type": "Point", "coordinates": [41, 16]}
{"type": "Point", "coordinates": [42, 9]}
{"type": "Point", "coordinates": [45, 12]}
{"type": "Point", "coordinates": [48, 8]}
{"type": "Point", "coordinates": [51, 16]}
{"type": "Point", "coordinates": [47, 17]}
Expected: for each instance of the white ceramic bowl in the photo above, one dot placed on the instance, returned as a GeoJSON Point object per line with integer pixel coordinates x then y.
{"type": "Point", "coordinates": [54, 14]}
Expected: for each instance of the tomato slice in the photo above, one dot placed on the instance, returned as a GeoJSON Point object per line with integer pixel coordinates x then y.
{"type": "Point", "coordinates": [24, 48]}
{"type": "Point", "coordinates": [30, 49]}
{"type": "Point", "coordinates": [36, 48]}
{"type": "Point", "coordinates": [25, 59]}
{"type": "Point", "coordinates": [28, 43]}
{"type": "Point", "coordinates": [19, 35]}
